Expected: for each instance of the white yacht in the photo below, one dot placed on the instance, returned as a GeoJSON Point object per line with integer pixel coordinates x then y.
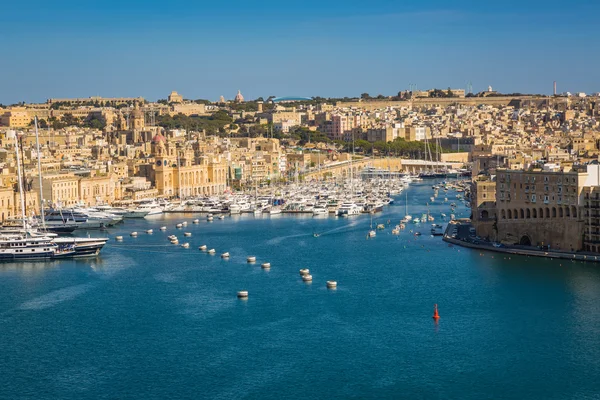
{"type": "Point", "coordinates": [348, 209]}
{"type": "Point", "coordinates": [273, 210]}
{"type": "Point", "coordinates": [82, 220]}
{"type": "Point", "coordinates": [32, 247]}
{"type": "Point", "coordinates": [150, 207]}
{"type": "Point", "coordinates": [320, 210]}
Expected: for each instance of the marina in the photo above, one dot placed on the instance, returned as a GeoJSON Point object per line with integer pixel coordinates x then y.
{"type": "Point", "coordinates": [207, 314]}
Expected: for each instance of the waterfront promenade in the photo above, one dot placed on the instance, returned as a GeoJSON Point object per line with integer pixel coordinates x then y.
{"type": "Point", "coordinates": [462, 237]}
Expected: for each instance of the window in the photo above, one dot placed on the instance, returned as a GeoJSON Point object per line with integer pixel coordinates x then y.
{"type": "Point", "coordinates": [545, 179]}
{"type": "Point", "coordinates": [533, 198]}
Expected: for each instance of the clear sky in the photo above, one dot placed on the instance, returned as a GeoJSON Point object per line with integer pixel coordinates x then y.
{"type": "Point", "coordinates": [307, 48]}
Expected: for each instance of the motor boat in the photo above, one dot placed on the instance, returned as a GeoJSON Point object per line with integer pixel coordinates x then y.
{"type": "Point", "coordinates": [348, 209]}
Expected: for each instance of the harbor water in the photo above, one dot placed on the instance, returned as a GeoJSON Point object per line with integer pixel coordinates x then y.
{"type": "Point", "coordinates": [151, 320]}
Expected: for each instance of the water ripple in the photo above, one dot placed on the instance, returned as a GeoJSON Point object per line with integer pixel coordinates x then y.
{"type": "Point", "coordinates": [56, 297]}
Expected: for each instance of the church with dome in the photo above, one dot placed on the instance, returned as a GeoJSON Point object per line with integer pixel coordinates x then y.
{"type": "Point", "coordinates": [184, 171]}
{"type": "Point", "coordinates": [238, 97]}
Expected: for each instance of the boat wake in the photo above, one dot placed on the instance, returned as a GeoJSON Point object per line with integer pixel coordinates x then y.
{"type": "Point", "coordinates": [56, 297]}
{"type": "Point", "coordinates": [278, 240]}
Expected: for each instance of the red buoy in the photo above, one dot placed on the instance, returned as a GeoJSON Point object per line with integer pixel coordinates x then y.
{"type": "Point", "coordinates": [436, 316]}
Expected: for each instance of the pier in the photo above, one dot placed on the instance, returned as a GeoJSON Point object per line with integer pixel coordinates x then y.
{"type": "Point", "coordinates": [461, 238]}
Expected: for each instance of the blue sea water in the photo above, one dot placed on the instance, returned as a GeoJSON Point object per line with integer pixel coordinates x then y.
{"type": "Point", "coordinates": [150, 320]}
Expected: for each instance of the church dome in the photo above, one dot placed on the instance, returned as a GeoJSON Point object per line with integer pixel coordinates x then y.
{"type": "Point", "coordinates": [239, 98]}
{"type": "Point", "coordinates": [158, 138]}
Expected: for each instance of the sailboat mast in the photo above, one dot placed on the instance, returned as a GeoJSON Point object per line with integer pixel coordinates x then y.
{"type": "Point", "coordinates": [351, 177]}
{"type": "Point", "coordinates": [179, 174]}
{"type": "Point", "coordinates": [20, 181]}
{"type": "Point", "coordinates": [39, 161]}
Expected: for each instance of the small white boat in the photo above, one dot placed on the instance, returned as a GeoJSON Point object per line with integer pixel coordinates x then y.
{"type": "Point", "coordinates": [202, 248]}
{"type": "Point", "coordinates": [331, 284]}
{"type": "Point", "coordinates": [396, 231]}
{"type": "Point", "coordinates": [251, 259]}
{"type": "Point", "coordinates": [179, 226]}
{"type": "Point", "coordinates": [196, 221]}
{"type": "Point", "coordinates": [175, 241]}
{"type": "Point", "coordinates": [225, 255]}
{"type": "Point", "coordinates": [221, 217]}
{"type": "Point", "coordinates": [209, 218]}
{"type": "Point", "coordinates": [307, 278]}
{"type": "Point", "coordinates": [265, 265]}
{"type": "Point", "coordinates": [134, 234]}
{"type": "Point", "coordinates": [304, 271]}
{"type": "Point", "coordinates": [187, 234]}
{"type": "Point", "coordinates": [372, 233]}
{"type": "Point", "coordinates": [163, 228]}
{"type": "Point", "coordinates": [211, 251]}
{"type": "Point", "coordinates": [242, 294]}
{"type": "Point", "coordinates": [149, 231]}
{"type": "Point", "coordinates": [185, 245]}
{"type": "Point", "coordinates": [184, 223]}
{"type": "Point", "coordinates": [119, 238]}
{"type": "Point", "coordinates": [320, 210]}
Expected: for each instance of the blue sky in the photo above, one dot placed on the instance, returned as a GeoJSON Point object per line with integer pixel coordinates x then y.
{"type": "Point", "coordinates": [303, 48]}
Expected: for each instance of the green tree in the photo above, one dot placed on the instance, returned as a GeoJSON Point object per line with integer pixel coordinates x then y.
{"type": "Point", "coordinates": [70, 120]}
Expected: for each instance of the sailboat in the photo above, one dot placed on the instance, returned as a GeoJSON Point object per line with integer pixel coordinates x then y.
{"type": "Point", "coordinates": [26, 244]}
{"type": "Point", "coordinates": [42, 244]}
{"type": "Point", "coordinates": [407, 217]}
{"type": "Point", "coordinates": [372, 232]}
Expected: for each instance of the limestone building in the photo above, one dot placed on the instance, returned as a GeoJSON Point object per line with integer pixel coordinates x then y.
{"type": "Point", "coordinates": [179, 172]}
{"type": "Point", "coordinates": [540, 208]}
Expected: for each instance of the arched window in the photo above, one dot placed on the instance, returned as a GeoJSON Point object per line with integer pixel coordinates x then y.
{"type": "Point", "coordinates": [522, 214]}
{"type": "Point", "coordinates": [534, 213]}
{"type": "Point", "coordinates": [509, 214]}
{"type": "Point", "coordinates": [553, 212]}
{"type": "Point", "coordinates": [560, 212]}
{"type": "Point", "coordinates": [516, 213]}
{"type": "Point", "coordinates": [547, 212]}
{"type": "Point", "coordinates": [503, 214]}
{"type": "Point", "coordinates": [527, 213]}
{"type": "Point", "coordinates": [573, 211]}
{"type": "Point", "coordinates": [567, 211]}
